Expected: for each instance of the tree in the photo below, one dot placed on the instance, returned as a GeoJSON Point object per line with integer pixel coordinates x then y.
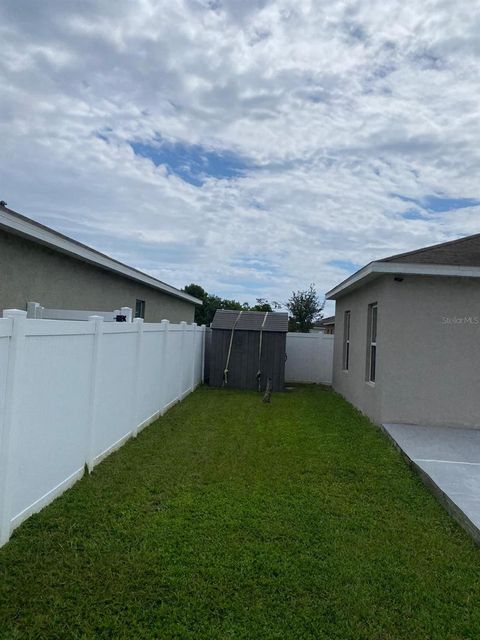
{"type": "Point", "coordinates": [201, 311]}
{"type": "Point", "coordinates": [305, 307]}
{"type": "Point", "coordinates": [204, 313]}
{"type": "Point", "coordinates": [264, 305]}
{"type": "Point", "coordinates": [196, 291]}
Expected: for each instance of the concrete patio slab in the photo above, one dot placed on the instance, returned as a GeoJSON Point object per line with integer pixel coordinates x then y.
{"type": "Point", "coordinates": [448, 460]}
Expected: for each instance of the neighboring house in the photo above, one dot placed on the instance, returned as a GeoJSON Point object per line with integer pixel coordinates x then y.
{"type": "Point", "coordinates": [326, 325]}
{"type": "Point", "coordinates": [38, 264]}
{"type": "Point", "coordinates": [407, 341]}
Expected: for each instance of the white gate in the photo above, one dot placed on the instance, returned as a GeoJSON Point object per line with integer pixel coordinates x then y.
{"type": "Point", "coordinates": [309, 357]}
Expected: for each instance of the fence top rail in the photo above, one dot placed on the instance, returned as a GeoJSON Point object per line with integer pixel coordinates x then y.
{"type": "Point", "coordinates": [317, 335]}
{"type": "Point", "coordinates": [119, 327]}
{"type": "Point", "coordinates": [179, 327]}
{"type": "Point", "coordinates": [48, 327]}
{"type": "Point", "coordinates": [35, 327]}
{"type": "Point", "coordinates": [153, 327]}
{"type": "Point", "coordinates": [157, 326]}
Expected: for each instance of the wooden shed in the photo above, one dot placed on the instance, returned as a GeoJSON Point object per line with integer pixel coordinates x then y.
{"type": "Point", "coordinates": [247, 348]}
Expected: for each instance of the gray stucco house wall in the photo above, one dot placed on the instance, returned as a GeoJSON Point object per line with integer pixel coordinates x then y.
{"type": "Point", "coordinates": [33, 271]}
{"type": "Point", "coordinates": [352, 384]}
{"type": "Point", "coordinates": [428, 350]}
{"type": "Point", "coordinates": [427, 343]}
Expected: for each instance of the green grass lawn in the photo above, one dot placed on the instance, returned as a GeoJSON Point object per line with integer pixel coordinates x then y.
{"type": "Point", "coordinates": [229, 518]}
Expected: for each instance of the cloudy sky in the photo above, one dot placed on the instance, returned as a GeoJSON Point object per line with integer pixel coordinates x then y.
{"type": "Point", "coordinates": [252, 147]}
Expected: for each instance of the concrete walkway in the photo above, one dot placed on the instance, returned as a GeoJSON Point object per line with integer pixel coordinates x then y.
{"type": "Point", "coordinates": [448, 459]}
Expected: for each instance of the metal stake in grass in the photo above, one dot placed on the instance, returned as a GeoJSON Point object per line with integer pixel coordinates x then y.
{"type": "Point", "coordinates": [268, 391]}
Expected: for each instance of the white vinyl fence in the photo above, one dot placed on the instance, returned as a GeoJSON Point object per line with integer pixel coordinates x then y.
{"type": "Point", "coordinates": [309, 357]}
{"type": "Point", "coordinates": [35, 310]}
{"type": "Point", "coordinates": [72, 392]}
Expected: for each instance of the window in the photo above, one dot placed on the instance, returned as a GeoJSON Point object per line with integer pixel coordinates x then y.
{"type": "Point", "coordinates": [346, 340]}
{"type": "Point", "coordinates": [372, 342]}
{"type": "Point", "coordinates": [140, 309]}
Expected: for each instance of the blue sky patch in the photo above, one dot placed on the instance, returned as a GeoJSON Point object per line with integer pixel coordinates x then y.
{"type": "Point", "coordinates": [434, 203]}
{"type": "Point", "coordinates": [344, 265]}
{"type": "Point", "coordinates": [413, 214]}
{"type": "Point", "coordinates": [193, 163]}
{"type": "Point", "coordinates": [439, 204]}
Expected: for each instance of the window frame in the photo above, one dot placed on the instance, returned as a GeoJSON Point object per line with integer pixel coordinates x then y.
{"type": "Point", "coordinates": [371, 368]}
{"type": "Point", "coordinates": [347, 317]}
{"type": "Point", "coordinates": [140, 312]}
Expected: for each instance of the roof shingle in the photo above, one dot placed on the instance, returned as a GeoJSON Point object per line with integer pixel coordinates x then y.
{"type": "Point", "coordinates": [463, 252]}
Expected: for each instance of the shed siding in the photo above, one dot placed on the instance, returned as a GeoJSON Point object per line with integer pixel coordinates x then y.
{"type": "Point", "coordinates": [31, 272]}
{"type": "Point", "coordinates": [243, 365]}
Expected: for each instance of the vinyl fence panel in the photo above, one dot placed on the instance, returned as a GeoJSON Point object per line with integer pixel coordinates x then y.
{"type": "Point", "coordinates": [152, 373]}
{"type": "Point", "coordinates": [114, 397]}
{"type": "Point", "coordinates": [172, 373]}
{"type": "Point", "coordinates": [48, 433]}
{"type": "Point", "coordinates": [309, 358]}
{"type": "Point", "coordinates": [71, 392]}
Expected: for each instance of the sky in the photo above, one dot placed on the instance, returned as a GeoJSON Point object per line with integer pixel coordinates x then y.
{"type": "Point", "coordinates": [252, 147]}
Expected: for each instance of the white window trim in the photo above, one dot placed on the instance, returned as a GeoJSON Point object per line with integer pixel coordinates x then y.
{"type": "Point", "coordinates": [372, 308]}
{"type": "Point", "coordinates": [346, 341]}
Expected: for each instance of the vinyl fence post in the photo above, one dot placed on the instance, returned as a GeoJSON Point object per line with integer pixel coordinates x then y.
{"type": "Point", "coordinates": [97, 323]}
{"type": "Point", "coordinates": [204, 338]}
{"type": "Point", "coordinates": [194, 353]}
{"type": "Point", "coordinates": [9, 425]}
{"type": "Point", "coordinates": [127, 312]}
{"type": "Point", "coordinates": [163, 366]}
{"type": "Point", "coordinates": [138, 322]}
{"type": "Point", "coordinates": [183, 324]}
{"type": "Point", "coordinates": [33, 309]}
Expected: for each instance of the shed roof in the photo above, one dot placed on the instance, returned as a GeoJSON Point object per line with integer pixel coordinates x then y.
{"type": "Point", "coordinates": [250, 320]}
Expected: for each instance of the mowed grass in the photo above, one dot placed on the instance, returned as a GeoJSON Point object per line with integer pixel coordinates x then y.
{"type": "Point", "coordinates": [229, 518]}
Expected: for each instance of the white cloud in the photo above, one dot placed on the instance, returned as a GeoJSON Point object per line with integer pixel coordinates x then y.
{"type": "Point", "coordinates": [340, 108]}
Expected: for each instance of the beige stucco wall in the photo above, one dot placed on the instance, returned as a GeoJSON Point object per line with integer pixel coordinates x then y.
{"type": "Point", "coordinates": [434, 348]}
{"type": "Point", "coordinates": [352, 383]}
{"type": "Point", "coordinates": [30, 272]}
{"type": "Point", "coordinates": [428, 353]}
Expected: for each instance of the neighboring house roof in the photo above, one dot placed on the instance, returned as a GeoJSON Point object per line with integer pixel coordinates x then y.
{"type": "Point", "coordinates": [325, 322]}
{"type": "Point", "coordinates": [250, 320]}
{"type": "Point", "coordinates": [464, 252]}
{"type": "Point", "coordinates": [458, 258]}
{"type": "Point", "coordinates": [20, 225]}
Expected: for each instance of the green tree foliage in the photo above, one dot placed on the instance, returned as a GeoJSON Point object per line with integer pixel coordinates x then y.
{"type": "Point", "coordinates": [264, 305]}
{"type": "Point", "coordinates": [305, 307]}
{"type": "Point", "coordinates": [196, 291]}
{"type": "Point", "coordinates": [204, 313]}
